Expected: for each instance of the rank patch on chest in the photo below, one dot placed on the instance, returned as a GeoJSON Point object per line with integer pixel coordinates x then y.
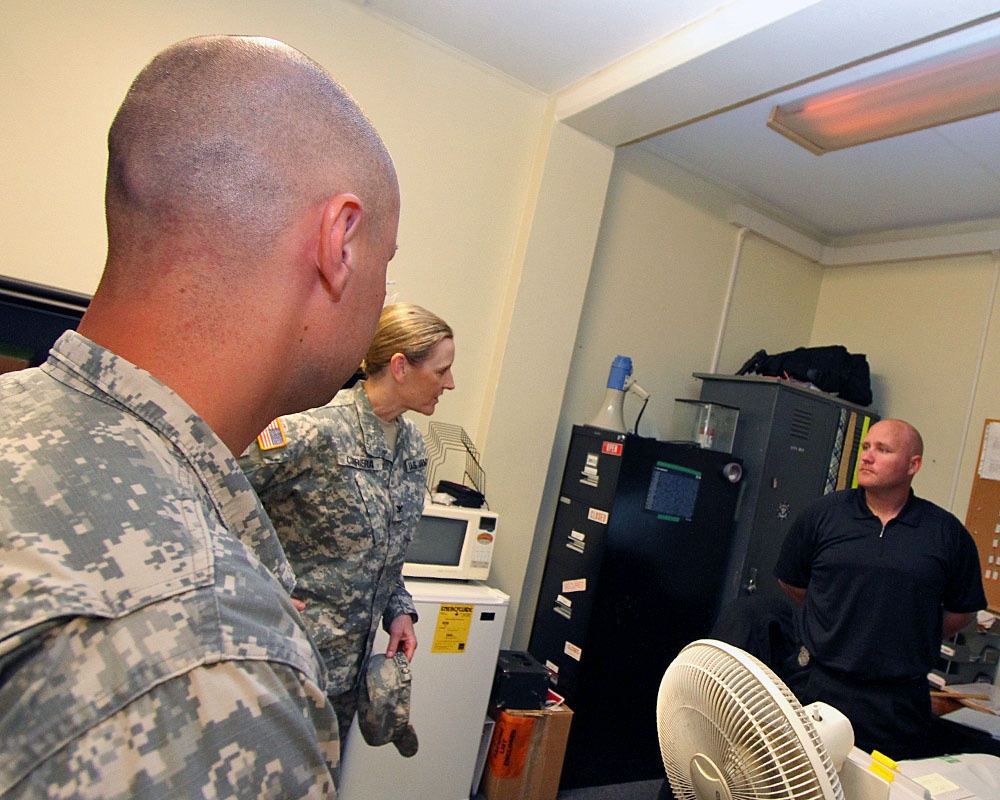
{"type": "Point", "coordinates": [273, 436]}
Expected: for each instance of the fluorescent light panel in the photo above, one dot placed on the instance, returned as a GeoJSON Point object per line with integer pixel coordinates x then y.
{"type": "Point", "coordinates": [958, 85]}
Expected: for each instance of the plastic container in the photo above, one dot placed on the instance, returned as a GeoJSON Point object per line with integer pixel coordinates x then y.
{"type": "Point", "coordinates": [711, 426]}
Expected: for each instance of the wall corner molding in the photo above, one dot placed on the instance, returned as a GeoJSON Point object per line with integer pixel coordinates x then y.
{"type": "Point", "coordinates": [894, 246]}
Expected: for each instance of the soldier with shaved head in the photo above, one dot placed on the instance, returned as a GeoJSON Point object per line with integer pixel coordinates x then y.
{"type": "Point", "coordinates": [148, 642]}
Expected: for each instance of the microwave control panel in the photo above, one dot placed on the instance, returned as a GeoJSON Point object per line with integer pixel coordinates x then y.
{"type": "Point", "coordinates": [482, 551]}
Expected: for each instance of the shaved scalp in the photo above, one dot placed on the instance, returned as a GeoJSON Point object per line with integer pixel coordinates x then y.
{"type": "Point", "coordinates": [222, 140]}
{"type": "Point", "coordinates": [910, 437]}
{"type": "Point", "coordinates": [914, 440]}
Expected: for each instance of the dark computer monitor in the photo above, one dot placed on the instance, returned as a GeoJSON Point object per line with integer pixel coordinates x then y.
{"type": "Point", "coordinates": [32, 317]}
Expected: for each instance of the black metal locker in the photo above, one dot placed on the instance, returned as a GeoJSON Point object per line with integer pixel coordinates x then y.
{"type": "Point", "coordinates": [796, 444]}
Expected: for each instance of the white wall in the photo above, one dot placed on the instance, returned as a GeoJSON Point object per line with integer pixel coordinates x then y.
{"type": "Point", "coordinates": [986, 398]}
{"type": "Point", "coordinates": [464, 143]}
{"type": "Point", "coordinates": [924, 325]}
{"type": "Point", "coordinates": [532, 366]}
{"type": "Point", "coordinates": [775, 296]}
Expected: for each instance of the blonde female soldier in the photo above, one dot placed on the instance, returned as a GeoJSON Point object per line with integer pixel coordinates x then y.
{"type": "Point", "coordinates": [344, 486]}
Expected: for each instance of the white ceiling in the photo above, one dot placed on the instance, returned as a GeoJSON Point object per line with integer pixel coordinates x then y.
{"type": "Point", "coordinates": [681, 77]}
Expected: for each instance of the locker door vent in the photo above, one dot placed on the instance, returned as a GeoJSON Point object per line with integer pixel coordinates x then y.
{"type": "Point", "coordinates": [801, 424]}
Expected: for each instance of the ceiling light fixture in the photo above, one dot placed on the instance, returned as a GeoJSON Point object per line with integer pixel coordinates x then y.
{"type": "Point", "coordinates": [957, 85]}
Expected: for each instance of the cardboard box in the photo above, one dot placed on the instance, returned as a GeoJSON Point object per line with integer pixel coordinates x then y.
{"type": "Point", "coordinates": [526, 754]}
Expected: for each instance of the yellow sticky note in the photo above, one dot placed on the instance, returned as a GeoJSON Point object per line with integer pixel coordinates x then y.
{"type": "Point", "coordinates": [936, 784]}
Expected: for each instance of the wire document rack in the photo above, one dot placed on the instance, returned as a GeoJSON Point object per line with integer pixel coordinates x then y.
{"type": "Point", "coordinates": [443, 438]}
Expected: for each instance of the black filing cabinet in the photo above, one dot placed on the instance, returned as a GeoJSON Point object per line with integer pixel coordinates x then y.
{"type": "Point", "coordinates": [634, 571]}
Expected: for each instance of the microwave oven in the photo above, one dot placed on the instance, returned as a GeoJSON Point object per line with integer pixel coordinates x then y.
{"type": "Point", "coordinates": [452, 542]}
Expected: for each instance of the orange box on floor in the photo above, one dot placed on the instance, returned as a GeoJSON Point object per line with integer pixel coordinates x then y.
{"type": "Point", "coordinates": [526, 754]}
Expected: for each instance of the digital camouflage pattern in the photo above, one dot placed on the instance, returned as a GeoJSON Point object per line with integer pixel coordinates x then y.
{"type": "Point", "coordinates": [384, 703]}
{"type": "Point", "coordinates": [345, 509]}
{"type": "Point", "coordinates": [148, 646]}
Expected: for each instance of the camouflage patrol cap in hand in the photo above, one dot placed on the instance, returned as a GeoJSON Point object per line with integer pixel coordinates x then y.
{"type": "Point", "coordinates": [384, 704]}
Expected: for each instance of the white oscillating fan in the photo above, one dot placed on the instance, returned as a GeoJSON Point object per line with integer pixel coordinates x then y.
{"type": "Point", "coordinates": [730, 729]}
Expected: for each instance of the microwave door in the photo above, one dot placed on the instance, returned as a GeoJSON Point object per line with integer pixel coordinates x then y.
{"type": "Point", "coordinates": [438, 540]}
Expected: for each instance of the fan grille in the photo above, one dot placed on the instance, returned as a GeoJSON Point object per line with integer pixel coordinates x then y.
{"type": "Point", "coordinates": [721, 702]}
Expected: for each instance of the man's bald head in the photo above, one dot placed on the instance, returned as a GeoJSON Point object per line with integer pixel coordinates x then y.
{"type": "Point", "coordinates": [252, 211]}
{"type": "Point", "coordinates": [907, 435]}
{"type": "Point", "coordinates": [223, 140]}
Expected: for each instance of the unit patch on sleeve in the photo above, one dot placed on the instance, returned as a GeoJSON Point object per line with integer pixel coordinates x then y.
{"type": "Point", "coordinates": [273, 436]}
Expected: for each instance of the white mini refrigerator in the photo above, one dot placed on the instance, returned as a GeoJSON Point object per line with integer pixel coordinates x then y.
{"type": "Point", "coordinates": [458, 639]}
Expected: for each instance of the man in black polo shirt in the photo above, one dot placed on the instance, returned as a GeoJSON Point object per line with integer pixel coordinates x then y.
{"type": "Point", "coordinates": [880, 577]}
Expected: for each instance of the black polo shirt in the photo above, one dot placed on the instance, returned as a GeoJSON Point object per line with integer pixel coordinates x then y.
{"type": "Point", "coordinates": [874, 599]}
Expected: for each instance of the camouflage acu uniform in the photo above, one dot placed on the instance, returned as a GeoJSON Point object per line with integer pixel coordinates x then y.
{"type": "Point", "coordinates": [345, 509]}
{"type": "Point", "coordinates": [148, 646]}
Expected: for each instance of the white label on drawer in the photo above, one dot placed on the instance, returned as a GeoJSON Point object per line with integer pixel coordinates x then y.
{"type": "Point", "coordinates": [596, 515]}
{"type": "Point", "coordinates": [573, 651]}
{"type": "Point", "coordinates": [578, 585]}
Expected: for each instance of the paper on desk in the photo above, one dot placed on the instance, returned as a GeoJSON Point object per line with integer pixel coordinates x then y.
{"type": "Point", "coordinates": [977, 719]}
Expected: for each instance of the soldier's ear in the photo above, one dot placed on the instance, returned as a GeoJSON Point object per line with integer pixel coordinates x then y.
{"type": "Point", "coordinates": [339, 226]}
{"type": "Point", "coordinates": [399, 366]}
